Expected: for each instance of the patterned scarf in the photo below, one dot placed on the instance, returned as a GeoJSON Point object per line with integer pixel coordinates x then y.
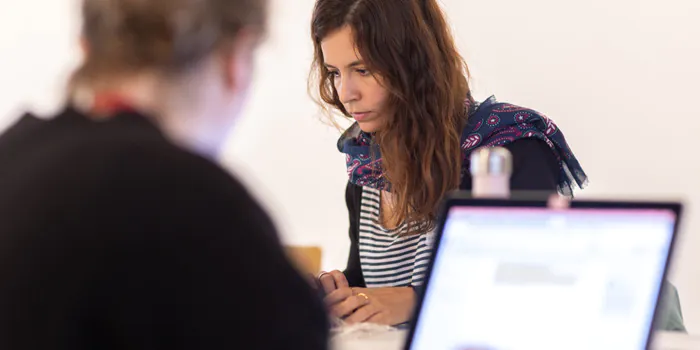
{"type": "Point", "coordinates": [490, 124]}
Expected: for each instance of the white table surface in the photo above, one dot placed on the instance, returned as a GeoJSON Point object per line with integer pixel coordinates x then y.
{"type": "Point", "coordinates": [394, 340]}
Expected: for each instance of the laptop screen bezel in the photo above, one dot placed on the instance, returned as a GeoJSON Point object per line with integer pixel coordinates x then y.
{"type": "Point", "coordinates": [540, 200]}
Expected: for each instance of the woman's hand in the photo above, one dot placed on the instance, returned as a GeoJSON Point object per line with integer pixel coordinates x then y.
{"type": "Point", "coordinates": [388, 306]}
{"type": "Point", "coordinates": [331, 281]}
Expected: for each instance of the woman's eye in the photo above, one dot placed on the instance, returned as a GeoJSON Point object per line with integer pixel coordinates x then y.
{"type": "Point", "coordinates": [363, 72]}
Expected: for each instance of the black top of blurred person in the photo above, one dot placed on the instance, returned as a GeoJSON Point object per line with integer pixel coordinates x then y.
{"type": "Point", "coordinates": [115, 238]}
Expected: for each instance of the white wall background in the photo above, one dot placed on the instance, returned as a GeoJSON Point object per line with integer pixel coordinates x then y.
{"type": "Point", "coordinates": [620, 78]}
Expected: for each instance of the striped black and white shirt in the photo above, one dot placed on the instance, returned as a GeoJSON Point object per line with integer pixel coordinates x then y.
{"type": "Point", "coordinates": [389, 258]}
{"type": "Point", "coordinates": [380, 257]}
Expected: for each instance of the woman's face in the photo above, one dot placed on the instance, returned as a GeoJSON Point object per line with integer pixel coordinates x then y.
{"type": "Point", "coordinates": [360, 92]}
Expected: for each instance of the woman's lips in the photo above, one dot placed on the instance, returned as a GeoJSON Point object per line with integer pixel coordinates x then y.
{"type": "Point", "coordinates": [360, 116]}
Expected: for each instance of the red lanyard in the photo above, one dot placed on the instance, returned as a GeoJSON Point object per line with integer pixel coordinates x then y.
{"type": "Point", "coordinates": [110, 103]}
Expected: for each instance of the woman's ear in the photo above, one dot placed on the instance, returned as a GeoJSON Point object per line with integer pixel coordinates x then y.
{"type": "Point", "coordinates": [238, 61]}
{"type": "Point", "coordinates": [84, 46]}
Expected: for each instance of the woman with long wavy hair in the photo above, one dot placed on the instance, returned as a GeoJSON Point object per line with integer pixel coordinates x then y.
{"type": "Point", "coordinates": [393, 68]}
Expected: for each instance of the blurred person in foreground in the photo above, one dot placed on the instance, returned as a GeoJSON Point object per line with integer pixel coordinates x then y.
{"type": "Point", "coordinates": [118, 229]}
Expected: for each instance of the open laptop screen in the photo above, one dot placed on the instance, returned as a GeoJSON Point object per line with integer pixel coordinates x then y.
{"type": "Point", "coordinates": [532, 278]}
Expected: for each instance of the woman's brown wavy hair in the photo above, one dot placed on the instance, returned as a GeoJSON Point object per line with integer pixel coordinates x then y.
{"type": "Point", "coordinates": [408, 43]}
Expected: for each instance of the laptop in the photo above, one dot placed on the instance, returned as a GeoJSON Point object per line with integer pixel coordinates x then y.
{"type": "Point", "coordinates": [513, 274]}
